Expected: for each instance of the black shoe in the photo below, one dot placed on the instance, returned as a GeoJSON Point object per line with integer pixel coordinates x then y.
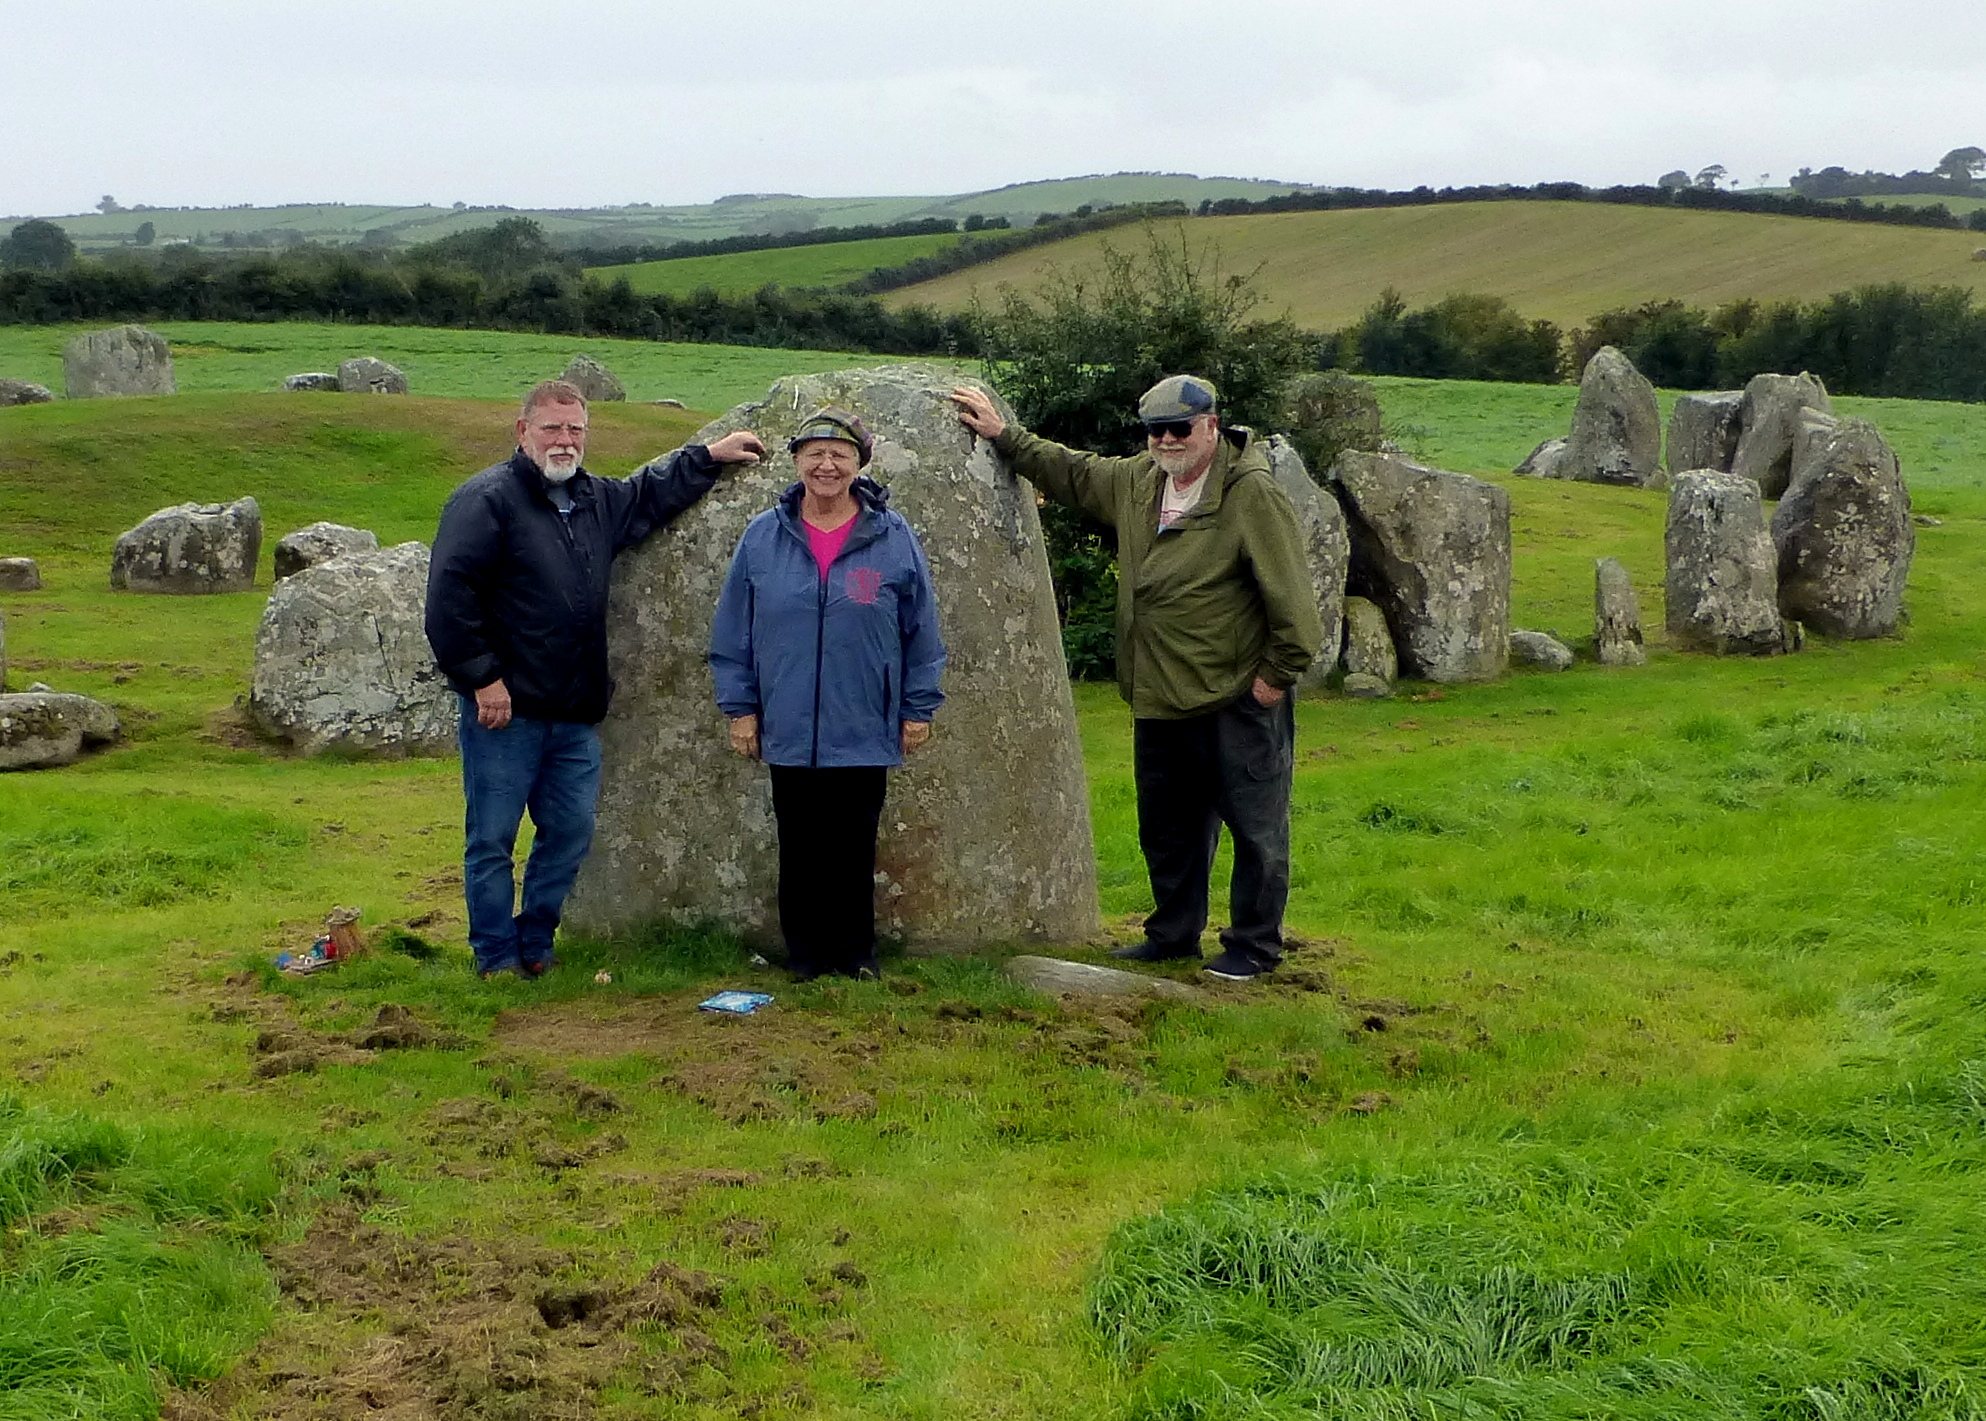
{"type": "Point", "coordinates": [803, 971]}
{"type": "Point", "coordinates": [1149, 951]}
{"type": "Point", "coordinates": [1233, 966]}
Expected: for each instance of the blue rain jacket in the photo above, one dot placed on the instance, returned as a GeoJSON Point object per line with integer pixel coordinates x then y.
{"type": "Point", "coordinates": [831, 669]}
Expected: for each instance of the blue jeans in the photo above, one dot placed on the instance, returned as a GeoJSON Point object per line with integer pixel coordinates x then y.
{"type": "Point", "coordinates": [552, 768]}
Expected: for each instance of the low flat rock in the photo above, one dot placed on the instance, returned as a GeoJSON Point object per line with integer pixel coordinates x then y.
{"type": "Point", "coordinates": [1547, 461]}
{"type": "Point", "coordinates": [1704, 431]}
{"type": "Point", "coordinates": [191, 548]}
{"type": "Point", "coordinates": [1616, 616]}
{"type": "Point", "coordinates": [368, 375]}
{"type": "Point", "coordinates": [323, 381]}
{"type": "Point", "coordinates": [595, 381]}
{"type": "Point", "coordinates": [1363, 686]}
{"type": "Point", "coordinates": [125, 360]}
{"type": "Point", "coordinates": [1326, 547]}
{"type": "Point", "coordinates": [1541, 651]}
{"type": "Point", "coordinates": [1616, 426]}
{"type": "Point", "coordinates": [1773, 405]}
{"type": "Point", "coordinates": [1844, 535]}
{"type": "Point", "coordinates": [23, 392]}
{"type": "Point", "coordinates": [1056, 977]}
{"type": "Point", "coordinates": [319, 543]}
{"type": "Point", "coordinates": [20, 575]}
{"type": "Point", "coordinates": [43, 729]}
{"type": "Point", "coordinates": [1721, 585]}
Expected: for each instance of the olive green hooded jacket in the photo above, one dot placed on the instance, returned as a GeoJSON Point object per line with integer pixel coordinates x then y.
{"type": "Point", "coordinates": [1207, 605]}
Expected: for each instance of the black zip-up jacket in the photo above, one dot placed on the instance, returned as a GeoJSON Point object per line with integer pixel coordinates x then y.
{"type": "Point", "coordinates": [517, 591]}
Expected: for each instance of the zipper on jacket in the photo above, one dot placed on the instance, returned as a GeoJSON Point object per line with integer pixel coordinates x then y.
{"type": "Point", "coordinates": [820, 636]}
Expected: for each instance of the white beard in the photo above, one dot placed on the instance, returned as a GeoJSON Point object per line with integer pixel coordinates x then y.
{"type": "Point", "coordinates": [558, 468]}
{"type": "Point", "coordinates": [1175, 461]}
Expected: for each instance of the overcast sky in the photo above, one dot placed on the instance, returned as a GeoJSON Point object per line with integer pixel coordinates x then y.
{"type": "Point", "coordinates": [211, 102]}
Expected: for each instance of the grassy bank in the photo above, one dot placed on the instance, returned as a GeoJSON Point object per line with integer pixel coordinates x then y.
{"type": "Point", "coordinates": [742, 273]}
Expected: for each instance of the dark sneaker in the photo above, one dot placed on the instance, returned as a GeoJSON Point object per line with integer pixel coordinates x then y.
{"type": "Point", "coordinates": [1149, 951]}
{"type": "Point", "coordinates": [538, 967]}
{"type": "Point", "coordinates": [1232, 966]}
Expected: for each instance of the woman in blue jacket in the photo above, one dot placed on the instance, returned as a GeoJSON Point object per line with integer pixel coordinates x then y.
{"type": "Point", "coordinates": [827, 659]}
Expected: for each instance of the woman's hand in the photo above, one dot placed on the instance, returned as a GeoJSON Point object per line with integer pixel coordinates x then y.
{"type": "Point", "coordinates": [745, 736]}
{"type": "Point", "coordinates": [915, 734]}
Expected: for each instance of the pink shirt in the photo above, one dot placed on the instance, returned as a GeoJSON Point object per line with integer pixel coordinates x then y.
{"type": "Point", "coordinates": [827, 543]}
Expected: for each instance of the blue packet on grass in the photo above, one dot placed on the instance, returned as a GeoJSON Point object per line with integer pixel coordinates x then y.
{"type": "Point", "coordinates": [736, 1003]}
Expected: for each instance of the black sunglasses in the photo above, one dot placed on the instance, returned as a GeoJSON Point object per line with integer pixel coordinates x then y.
{"type": "Point", "coordinates": [1177, 428]}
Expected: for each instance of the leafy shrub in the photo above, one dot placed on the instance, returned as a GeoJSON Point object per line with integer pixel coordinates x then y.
{"type": "Point", "coordinates": [1325, 413]}
{"type": "Point", "coordinates": [1462, 337]}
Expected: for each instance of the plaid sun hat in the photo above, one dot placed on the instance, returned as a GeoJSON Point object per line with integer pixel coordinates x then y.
{"type": "Point", "coordinates": [832, 422]}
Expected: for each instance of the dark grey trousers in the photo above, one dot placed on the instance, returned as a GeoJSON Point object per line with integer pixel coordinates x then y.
{"type": "Point", "coordinates": [1230, 766]}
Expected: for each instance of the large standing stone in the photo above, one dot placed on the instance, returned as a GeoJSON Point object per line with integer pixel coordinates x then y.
{"type": "Point", "coordinates": [320, 542]}
{"type": "Point", "coordinates": [1771, 420]}
{"type": "Point", "coordinates": [1326, 548]}
{"type": "Point", "coordinates": [125, 360]}
{"type": "Point", "coordinates": [1720, 584]}
{"type": "Point", "coordinates": [1845, 537]}
{"type": "Point", "coordinates": [1704, 431]}
{"type": "Point", "coordinates": [985, 834]}
{"type": "Point", "coordinates": [1616, 616]}
{"type": "Point", "coordinates": [1547, 461]}
{"type": "Point", "coordinates": [1617, 425]}
{"type": "Point", "coordinates": [1368, 643]}
{"type": "Point", "coordinates": [20, 575]}
{"type": "Point", "coordinates": [22, 392]}
{"type": "Point", "coordinates": [368, 375]}
{"type": "Point", "coordinates": [1433, 550]}
{"type": "Point", "coordinates": [191, 547]}
{"type": "Point", "coordinates": [322, 381]}
{"type": "Point", "coordinates": [342, 660]}
{"type": "Point", "coordinates": [595, 380]}
{"type": "Point", "coordinates": [40, 729]}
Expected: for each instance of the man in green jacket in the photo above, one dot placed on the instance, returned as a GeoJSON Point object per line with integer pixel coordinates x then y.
{"type": "Point", "coordinates": [1216, 619]}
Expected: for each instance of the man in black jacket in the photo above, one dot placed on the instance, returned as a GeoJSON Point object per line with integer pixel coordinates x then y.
{"type": "Point", "coordinates": [517, 617]}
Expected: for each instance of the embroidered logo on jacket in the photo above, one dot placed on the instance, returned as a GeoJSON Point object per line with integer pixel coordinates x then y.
{"type": "Point", "coordinates": [863, 584]}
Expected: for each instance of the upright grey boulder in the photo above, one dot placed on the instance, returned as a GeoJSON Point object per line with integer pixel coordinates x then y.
{"type": "Point", "coordinates": [1813, 434]}
{"type": "Point", "coordinates": [320, 542]}
{"type": "Point", "coordinates": [1433, 550]}
{"type": "Point", "coordinates": [125, 360]}
{"type": "Point", "coordinates": [595, 380]}
{"type": "Point", "coordinates": [1704, 431]}
{"type": "Point", "coordinates": [43, 729]}
{"type": "Point", "coordinates": [20, 575]}
{"type": "Point", "coordinates": [1617, 425]}
{"type": "Point", "coordinates": [23, 392]}
{"type": "Point", "coordinates": [191, 548]}
{"type": "Point", "coordinates": [3, 652]}
{"type": "Point", "coordinates": [320, 381]}
{"type": "Point", "coordinates": [367, 375]}
{"type": "Point", "coordinates": [1616, 616]}
{"type": "Point", "coordinates": [1547, 461]}
{"type": "Point", "coordinates": [1720, 584]}
{"type": "Point", "coordinates": [1326, 547]}
{"type": "Point", "coordinates": [1368, 643]}
{"type": "Point", "coordinates": [985, 834]}
{"type": "Point", "coordinates": [342, 660]}
{"type": "Point", "coordinates": [1771, 419]}
{"type": "Point", "coordinates": [1844, 535]}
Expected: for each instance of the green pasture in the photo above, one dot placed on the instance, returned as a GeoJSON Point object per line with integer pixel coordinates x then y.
{"type": "Point", "coordinates": [742, 273]}
{"type": "Point", "coordinates": [1630, 1065]}
{"type": "Point", "coordinates": [236, 357]}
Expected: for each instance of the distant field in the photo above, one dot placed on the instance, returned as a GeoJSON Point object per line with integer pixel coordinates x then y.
{"type": "Point", "coordinates": [741, 273]}
{"type": "Point", "coordinates": [1558, 261]}
{"type": "Point", "coordinates": [217, 357]}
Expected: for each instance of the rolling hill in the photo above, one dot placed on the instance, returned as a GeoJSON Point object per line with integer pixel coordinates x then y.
{"type": "Point", "coordinates": [741, 273]}
{"type": "Point", "coordinates": [1557, 261]}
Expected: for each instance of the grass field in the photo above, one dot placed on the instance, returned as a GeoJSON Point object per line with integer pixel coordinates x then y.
{"type": "Point", "coordinates": [216, 356]}
{"type": "Point", "coordinates": [741, 273]}
{"type": "Point", "coordinates": [1555, 261]}
{"type": "Point", "coordinates": [1631, 1064]}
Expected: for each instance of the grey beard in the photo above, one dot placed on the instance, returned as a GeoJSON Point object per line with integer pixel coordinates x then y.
{"type": "Point", "coordinates": [1174, 462]}
{"type": "Point", "coordinates": [559, 471]}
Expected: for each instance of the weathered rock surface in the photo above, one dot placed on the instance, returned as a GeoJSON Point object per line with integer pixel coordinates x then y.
{"type": "Point", "coordinates": [125, 360]}
{"type": "Point", "coordinates": [367, 375]}
{"type": "Point", "coordinates": [342, 659]}
{"type": "Point", "coordinates": [1547, 461]}
{"type": "Point", "coordinates": [1844, 535]}
{"type": "Point", "coordinates": [3, 652]}
{"type": "Point", "coordinates": [191, 548]}
{"type": "Point", "coordinates": [1433, 550]}
{"type": "Point", "coordinates": [595, 380]}
{"type": "Point", "coordinates": [1540, 650]}
{"type": "Point", "coordinates": [1362, 686]}
{"type": "Point", "coordinates": [1325, 544]}
{"type": "Point", "coordinates": [319, 380]}
{"type": "Point", "coordinates": [1813, 432]}
{"type": "Point", "coordinates": [985, 834]}
{"type": "Point", "coordinates": [1704, 431]}
{"type": "Point", "coordinates": [1721, 585]}
{"type": "Point", "coordinates": [23, 392]}
{"type": "Point", "coordinates": [20, 575]}
{"type": "Point", "coordinates": [1771, 419]}
{"type": "Point", "coordinates": [40, 729]}
{"type": "Point", "coordinates": [1616, 616]}
{"type": "Point", "coordinates": [1369, 642]}
{"type": "Point", "coordinates": [1057, 977]}
{"type": "Point", "coordinates": [1616, 426]}
{"type": "Point", "coordinates": [318, 543]}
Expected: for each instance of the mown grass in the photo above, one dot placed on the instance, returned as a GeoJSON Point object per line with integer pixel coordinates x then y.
{"type": "Point", "coordinates": [741, 273]}
{"type": "Point", "coordinates": [1561, 262]}
{"type": "Point", "coordinates": [1640, 1082]}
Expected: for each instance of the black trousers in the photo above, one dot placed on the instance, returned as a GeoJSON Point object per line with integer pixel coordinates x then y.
{"type": "Point", "coordinates": [1229, 766]}
{"type": "Point", "coordinates": [827, 863]}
